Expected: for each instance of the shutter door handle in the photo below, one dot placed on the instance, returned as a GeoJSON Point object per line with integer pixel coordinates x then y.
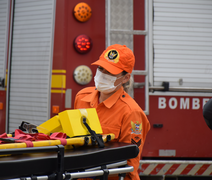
{"type": "Point", "coordinates": [157, 125]}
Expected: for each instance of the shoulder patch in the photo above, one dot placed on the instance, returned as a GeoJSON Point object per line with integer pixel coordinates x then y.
{"type": "Point", "coordinates": [136, 127]}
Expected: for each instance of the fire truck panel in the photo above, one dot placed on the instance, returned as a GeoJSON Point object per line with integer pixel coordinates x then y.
{"type": "Point", "coordinates": [178, 129]}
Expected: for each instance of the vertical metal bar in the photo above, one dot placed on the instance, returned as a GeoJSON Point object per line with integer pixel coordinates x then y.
{"type": "Point", "coordinates": [107, 2]}
{"type": "Point", "coordinates": [9, 65]}
{"type": "Point", "coordinates": [146, 59]}
{"type": "Point", "coordinates": [51, 59]}
{"type": "Point", "coordinates": [131, 91]}
{"type": "Point", "coordinates": [68, 100]}
{"type": "Point", "coordinates": [132, 27]}
{"type": "Point", "coordinates": [150, 34]}
{"type": "Point", "coordinates": [60, 157]}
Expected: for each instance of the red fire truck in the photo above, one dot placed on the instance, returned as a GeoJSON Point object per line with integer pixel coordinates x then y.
{"type": "Point", "coordinates": [42, 68]}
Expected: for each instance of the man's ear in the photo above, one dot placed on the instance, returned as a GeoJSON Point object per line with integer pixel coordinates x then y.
{"type": "Point", "coordinates": [126, 78]}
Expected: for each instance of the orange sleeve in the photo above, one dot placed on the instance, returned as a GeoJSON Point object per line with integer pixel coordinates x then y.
{"type": "Point", "coordinates": [134, 129]}
{"type": "Point", "coordinates": [75, 102]}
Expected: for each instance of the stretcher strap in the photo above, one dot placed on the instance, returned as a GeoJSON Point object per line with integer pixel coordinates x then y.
{"type": "Point", "coordinates": [3, 136]}
{"type": "Point", "coordinates": [19, 134]}
{"type": "Point", "coordinates": [59, 136]}
{"type": "Point", "coordinates": [28, 143]}
{"type": "Point", "coordinates": [28, 139]}
{"type": "Point", "coordinates": [93, 134]}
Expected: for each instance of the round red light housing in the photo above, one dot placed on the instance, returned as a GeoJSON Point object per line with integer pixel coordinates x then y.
{"type": "Point", "coordinates": [83, 43]}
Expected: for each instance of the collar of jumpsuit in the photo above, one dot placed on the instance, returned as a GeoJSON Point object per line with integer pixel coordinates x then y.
{"type": "Point", "coordinates": [93, 98]}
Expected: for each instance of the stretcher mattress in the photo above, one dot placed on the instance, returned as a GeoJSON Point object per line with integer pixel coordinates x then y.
{"type": "Point", "coordinates": [28, 164]}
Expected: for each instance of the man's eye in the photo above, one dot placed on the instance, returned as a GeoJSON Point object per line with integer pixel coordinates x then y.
{"type": "Point", "coordinates": [103, 70]}
{"type": "Point", "coordinates": [100, 68]}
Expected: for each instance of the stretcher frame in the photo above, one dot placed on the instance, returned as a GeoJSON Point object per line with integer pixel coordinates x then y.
{"type": "Point", "coordinates": [116, 164]}
{"type": "Point", "coordinates": [121, 171]}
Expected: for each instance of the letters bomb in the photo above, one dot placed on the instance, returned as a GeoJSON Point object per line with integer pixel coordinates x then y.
{"type": "Point", "coordinates": [182, 103]}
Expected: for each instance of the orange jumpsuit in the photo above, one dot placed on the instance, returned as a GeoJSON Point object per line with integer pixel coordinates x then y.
{"type": "Point", "coordinates": [120, 115]}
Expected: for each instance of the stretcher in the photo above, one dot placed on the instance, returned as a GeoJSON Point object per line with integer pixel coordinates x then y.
{"type": "Point", "coordinates": [56, 162]}
{"type": "Point", "coordinates": [85, 153]}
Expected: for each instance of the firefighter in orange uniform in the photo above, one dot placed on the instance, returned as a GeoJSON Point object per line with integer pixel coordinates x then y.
{"type": "Point", "coordinates": [117, 111]}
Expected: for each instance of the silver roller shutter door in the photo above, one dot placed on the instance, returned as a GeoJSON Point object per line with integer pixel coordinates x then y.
{"type": "Point", "coordinates": [31, 58]}
{"type": "Point", "coordinates": [182, 41]}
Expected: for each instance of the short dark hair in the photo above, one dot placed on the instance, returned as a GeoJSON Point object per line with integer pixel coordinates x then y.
{"type": "Point", "coordinates": [124, 72]}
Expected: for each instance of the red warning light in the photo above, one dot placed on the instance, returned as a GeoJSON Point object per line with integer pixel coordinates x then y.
{"type": "Point", "coordinates": [83, 43]}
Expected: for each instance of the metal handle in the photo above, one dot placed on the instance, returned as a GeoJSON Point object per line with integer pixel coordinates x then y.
{"type": "Point", "coordinates": [157, 125]}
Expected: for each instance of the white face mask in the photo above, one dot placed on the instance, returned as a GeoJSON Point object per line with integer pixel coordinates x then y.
{"type": "Point", "coordinates": [105, 82]}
